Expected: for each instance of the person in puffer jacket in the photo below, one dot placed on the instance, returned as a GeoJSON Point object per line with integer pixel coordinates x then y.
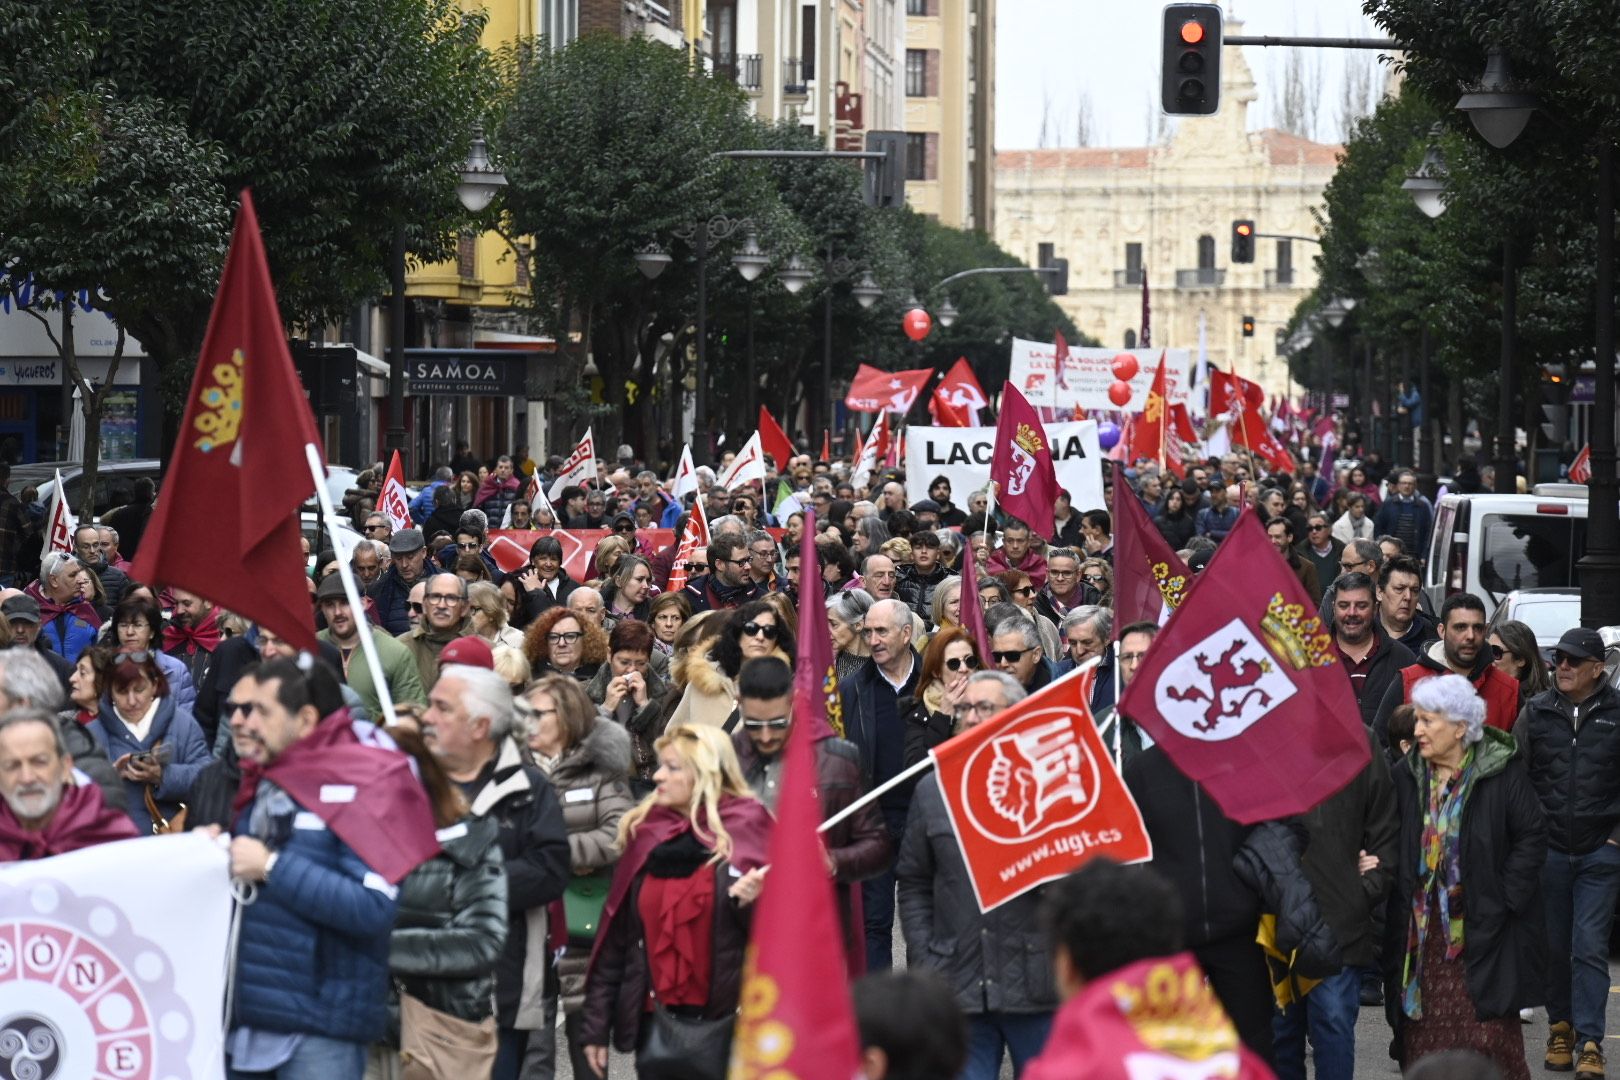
{"type": "Point", "coordinates": [68, 623]}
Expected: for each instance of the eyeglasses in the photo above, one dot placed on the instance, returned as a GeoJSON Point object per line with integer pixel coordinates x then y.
{"type": "Point", "coordinates": [1497, 652]}
{"type": "Point", "coordinates": [1093, 579]}
{"type": "Point", "coordinates": [414, 606]}
{"type": "Point", "coordinates": [1008, 656]}
{"type": "Point", "coordinates": [567, 638]}
{"type": "Point", "coordinates": [697, 567]}
{"type": "Point", "coordinates": [379, 527]}
{"type": "Point", "coordinates": [1349, 567]}
{"type": "Point", "coordinates": [140, 656]}
{"type": "Point", "coordinates": [767, 555]}
{"type": "Point", "coordinates": [443, 598]}
{"type": "Point", "coordinates": [231, 708]}
{"type": "Point", "coordinates": [625, 527]}
{"type": "Point", "coordinates": [983, 708]}
{"type": "Point", "coordinates": [764, 630]}
{"type": "Point", "coordinates": [1318, 528]}
{"type": "Point", "coordinates": [778, 724]}
{"type": "Point", "coordinates": [957, 663]}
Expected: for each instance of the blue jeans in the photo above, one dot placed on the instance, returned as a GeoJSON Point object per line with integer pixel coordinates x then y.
{"type": "Point", "coordinates": [317, 1058]}
{"type": "Point", "coordinates": [1023, 1035]}
{"type": "Point", "coordinates": [1328, 1015]}
{"type": "Point", "coordinates": [1579, 892]}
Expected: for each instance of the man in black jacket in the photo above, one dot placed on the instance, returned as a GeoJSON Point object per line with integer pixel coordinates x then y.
{"type": "Point", "coordinates": [1571, 739]}
{"type": "Point", "coordinates": [728, 584]}
{"type": "Point", "coordinates": [920, 577]}
{"type": "Point", "coordinates": [470, 719]}
{"type": "Point", "coordinates": [1370, 657]}
{"type": "Point", "coordinates": [407, 551]}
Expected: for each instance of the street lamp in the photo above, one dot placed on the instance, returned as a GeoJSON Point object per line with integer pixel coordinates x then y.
{"type": "Point", "coordinates": [750, 263]}
{"type": "Point", "coordinates": [795, 275]}
{"type": "Point", "coordinates": [651, 260]}
{"type": "Point", "coordinates": [1337, 310]}
{"type": "Point", "coordinates": [866, 291]}
{"type": "Point", "coordinates": [1499, 112]}
{"type": "Point", "coordinates": [481, 179]}
{"type": "Point", "coordinates": [1427, 186]}
{"type": "Point", "coordinates": [947, 313]}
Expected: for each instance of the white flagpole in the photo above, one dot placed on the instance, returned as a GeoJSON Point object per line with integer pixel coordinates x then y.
{"type": "Point", "coordinates": [313, 456]}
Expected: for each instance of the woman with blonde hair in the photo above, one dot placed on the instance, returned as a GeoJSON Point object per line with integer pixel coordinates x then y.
{"type": "Point", "coordinates": [488, 611]}
{"type": "Point", "coordinates": [605, 559]}
{"type": "Point", "coordinates": [675, 925]}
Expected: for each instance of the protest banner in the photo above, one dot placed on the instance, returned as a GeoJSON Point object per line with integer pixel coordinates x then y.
{"type": "Point", "coordinates": [1088, 374]}
{"type": "Point", "coordinates": [963, 456]}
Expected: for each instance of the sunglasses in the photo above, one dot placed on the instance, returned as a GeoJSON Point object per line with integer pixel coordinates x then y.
{"type": "Point", "coordinates": [1497, 652]}
{"type": "Point", "coordinates": [1093, 579]}
{"type": "Point", "coordinates": [697, 567]}
{"type": "Point", "coordinates": [376, 528]}
{"type": "Point", "coordinates": [1318, 528]}
{"type": "Point", "coordinates": [1008, 656]}
{"type": "Point", "coordinates": [468, 547]}
{"type": "Point", "coordinates": [1563, 659]}
{"type": "Point", "coordinates": [957, 663]}
{"type": "Point", "coordinates": [1024, 590]}
{"type": "Point", "coordinates": [778, 724]}
{"type": "Point", "coordinates": [764, 630]}
{"type": "Point", "coordinates": [418, 608]}
{"type": "Point", "coordinates": [140, 656]}
{"type": "Point", "coordinates": [624, 527]}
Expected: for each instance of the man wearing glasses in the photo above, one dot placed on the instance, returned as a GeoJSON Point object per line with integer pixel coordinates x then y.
{"type": "Point", "coordinates": [1320, 549]}
{"type": "Point", "coordinates": [728, 584]}
{"type": "Point", "coordinates": [856, 848]}
{"type": "Point", "coordinates": [444, 618]}
{"type": "Point", "coordinates": [1570, 736]}
{"type": "Point", "coordinates": [407, 553]}
{"type": "Point", "coordinates": [1064, 590]}
{"type": "Point", "coordinates": [875, 723]}
{"type": "Point", "coordinates": [378, 528]}
{"type": "Point", "coordinates": [1015, 647]}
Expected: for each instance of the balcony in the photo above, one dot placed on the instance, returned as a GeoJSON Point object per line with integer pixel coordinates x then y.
{"type": "Point", "coordinates": [1280, 278]}
{"type": "Point", "coordinates": [658, 13]}
{"type": "Point", "coordinates": [796, 76]}
{"type": "Point", "coordinates": [1125, 279]}
{"type": "Point", "coordinates": [741, 68]}
{"type": "Point", "coordinates": [1205, 277]}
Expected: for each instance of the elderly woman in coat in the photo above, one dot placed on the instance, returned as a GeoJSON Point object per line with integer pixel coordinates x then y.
{"type": "Point", "coordinates": [1464, 947]}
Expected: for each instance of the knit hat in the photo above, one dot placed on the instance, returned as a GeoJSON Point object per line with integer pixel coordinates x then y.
{"type": "Point", "coordinates": [472, 651]}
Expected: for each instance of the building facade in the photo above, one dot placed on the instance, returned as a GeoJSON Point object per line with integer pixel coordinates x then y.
{"type": "Point", "coordinates": [1166, 212]}
{"type": "Point", "coordinates": [949, 85]}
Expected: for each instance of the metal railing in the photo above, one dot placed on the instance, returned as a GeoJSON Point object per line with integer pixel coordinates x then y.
{"type": "Point", "coordinates": [741, 68]}
{"type": "Point", "coordinates": [1126, 278]}
{"type": "Point", "coordinates": [657, 12]}
{"type": "Point", "coordinates": [795, 80]}
{"type": "Point", "coordinates": [1205, 277]}
{"type": "Point", "coordinates": [1282, 277]}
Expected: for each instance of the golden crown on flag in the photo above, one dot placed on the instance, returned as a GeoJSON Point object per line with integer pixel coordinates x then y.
{"type": "Point", "coordinates": [1173, 589]}
{"type": "Point", "coordinates": [1028, 438]}
{"type": "Point", "coordinates": [222, 402]}
{"type": "Point", "coordinates": [1295, 637]}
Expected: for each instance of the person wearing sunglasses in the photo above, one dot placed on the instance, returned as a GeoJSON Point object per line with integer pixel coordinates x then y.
{"type": "Point", "coordinates": [751, 631]}
{"type": "Point", "coordinates": [1570, 735]}
{"type": "Point", "coordinates": [155, 746]}
{"type": "Point", "coordinates": [856, 848]}
{"type": "Point", "coordinates": [930, 715]}
{"type": "Point", "coordinates": [1016, 650]}
{"type": "Point", "coordinates": [1514, 651]}
{"type": "Point", "coordinates": [1319, 548]}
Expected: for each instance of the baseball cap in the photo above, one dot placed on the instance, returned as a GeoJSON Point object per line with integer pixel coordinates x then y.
{"type": "Point", "coordinates": [1582, 642]}
{"type": "Point", "coordinates": [23, 607]}
{"type": "Point", "coordinates": [472, 651]}
{"type": "Point", "coordinates": [925, 506]}
{"type": "Point", "coordinates": [406, 541]}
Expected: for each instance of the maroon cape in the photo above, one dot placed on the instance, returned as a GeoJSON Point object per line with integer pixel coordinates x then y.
{"type": "Point", "coordinates": [81, 820]}
{"type": "Point", "coordinates": [746, 819]}
{"type": "Point", "coordinates": [366, 795]}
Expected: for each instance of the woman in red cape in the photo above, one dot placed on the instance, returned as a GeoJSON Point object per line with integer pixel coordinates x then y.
{"type": "Point", "coordinates": [675, 925]}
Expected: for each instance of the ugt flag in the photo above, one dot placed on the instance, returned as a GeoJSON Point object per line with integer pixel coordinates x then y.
{"type": "Point", "coordinates": [239, 474]}
{"type": "Point", "coordinates": [61, 520]}
{"type": "Point", "coordinates": [1032, 795]}
{"type": "Point", "coordinates": [393, 502]}
{"type": "Point", "coordinates": [1021, 464]}
{"type": "Point", "coordinates": [580, 466]}
{"type": "Point", "coordinates": [1244, 690]}
{"type": "Point", "coordinates": [110, 970]}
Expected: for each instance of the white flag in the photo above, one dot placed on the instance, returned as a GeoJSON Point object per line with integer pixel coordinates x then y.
{"type": "Point", "coordinates": [535, 496]}
{"type": "Point", "coordinates": [749, 464]}
{"type": "Point", "coordinates": [685, 475]}
{"type": "Point", "coordinates": [580, 466]}
{"type": "Point", "coordinates": [393, 503]}
{"type": "Point", "coordinates": [109, 969]}
{"type": "Point", "coordinates": [61, 520]}
{"type": "Point", "coordinates": [867, 461]}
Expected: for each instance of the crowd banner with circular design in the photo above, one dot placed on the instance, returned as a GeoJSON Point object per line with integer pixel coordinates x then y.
{"type": "Point", "coordinates": [112, 962]}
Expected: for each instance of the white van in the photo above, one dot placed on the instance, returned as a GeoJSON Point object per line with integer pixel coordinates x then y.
{"type": "Point", "coordinates": [1490, 545]}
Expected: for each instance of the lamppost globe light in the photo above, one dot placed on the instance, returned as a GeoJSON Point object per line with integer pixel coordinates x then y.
{"type": "Point", "coordinates": [750, 261]}
{"type": "Point", "coordinates": [481, 180]}
{"type": "Point", "coordinates": [866, 291]}
{"type": "Point", "coordinates": [795, 275]}
{"type": "Point", "coordinates": [947, 313]}
{"type": "Point", "coordinates": [1499, 113]}
{"type": "Point", "coordinates": [1336, 311]}
{"type": "Point", "coordinates": [651, 260]}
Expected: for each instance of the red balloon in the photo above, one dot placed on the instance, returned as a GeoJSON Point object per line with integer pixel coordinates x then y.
{"type": "Point", "coordinates": [1124, 366]}
{"type": "Point", "coordinates": [917, 324]}
{"type": "Point", "coordinates": [1120, 392]}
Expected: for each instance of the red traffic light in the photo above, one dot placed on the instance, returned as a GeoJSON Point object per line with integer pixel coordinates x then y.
{"type": "Point", "coordinates": [1243, 228]}
{"type": "Point", "coordinates": [1192, 31]}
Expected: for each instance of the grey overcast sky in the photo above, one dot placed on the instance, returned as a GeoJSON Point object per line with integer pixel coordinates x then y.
{"type": "Point", "coordinates": [1106, 53]}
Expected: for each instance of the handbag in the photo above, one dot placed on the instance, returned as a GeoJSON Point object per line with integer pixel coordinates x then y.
{"type": "Point", "coordinates": [162, 826]}
{"type": "Point", "coordinates": [583, 902]}
{"type": "Point", "coordinates": [678, 1048]}
{"type": "Point", "coordinates": [434, 1045]}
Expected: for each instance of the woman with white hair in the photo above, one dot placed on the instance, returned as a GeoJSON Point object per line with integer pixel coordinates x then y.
{"type": "Point", "coordinates": [1465, 947]}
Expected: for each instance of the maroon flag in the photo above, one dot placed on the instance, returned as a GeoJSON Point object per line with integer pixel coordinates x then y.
{"type": "Point", "coordinates": [815, 679]}
{"type": "Point", "coordinates": [1021, 464]}
{"type": "Point", "coordinates": [226, 527]}
{"type": "Point", "coordinates": [968, 611]}
{"type": "Point", "coordinates": [1244, 690]}
{"type": "Point", "coordinates": [1150, 580]}
{"type": "Point", "coordinates": [1145, 339]}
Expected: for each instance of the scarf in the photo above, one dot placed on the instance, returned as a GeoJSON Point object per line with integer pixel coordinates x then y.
{"type": "Point", "coordinates": [82, 820]}
{"type": "Point", "coordinates": [50, 610]}
{"type": "Point", "coordinates": [1439, 874]}
{"type": "Point", "coordinates": [188, 639]}
{"type": "Point", "coordinates": [722, 595]}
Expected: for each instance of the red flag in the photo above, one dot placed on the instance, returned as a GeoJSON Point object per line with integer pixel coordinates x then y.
{"type": "Point", "coordinates": [1060, 361]}
{"type": "Point", "coordinates": [960, 387]}
{"type": "Point", "coordinates": [1032, 795]}
{"type": "Point", "coordinates": [392, 502]}
{"type": "Point", "coordinates": [1150, 580]}
{"type": "Point", "coordinates": [826, 445]}
{"type": "Point", "coordinates": [796, 1020]}
{"type": "Point", "coordinates": [774, 440]}
{"type": "Point", "coordinates": [1021, 464]}
{"type": "Point", "coordinates": [944, 413]}
{"type": "Point", "coordinates": [815, 679]}
{"type": "Point", "coordinates": [227, 525]}
{"type": "Point", "coordinates": [1580, 470]}
{"type": "Point", "coordinates": [693, 537]}
{"type": "Point", "coordinates": [1244, 690]}
{"type": "Point", "coordinates": [969, 612]}
{"type": "Point", "coordinates": [60, 535]}
{"type": "Point", "coordinates": [874, 390]}
{"type": "Point", "coordinates": [1150, 430]}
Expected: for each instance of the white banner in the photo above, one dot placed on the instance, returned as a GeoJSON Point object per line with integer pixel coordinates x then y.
{"type": "Point", "coordinates": [1089, 373]}
{"type": "Point", "coordinates": [112, 961]}
{"type": "Point", "coordinates": [962, 455]}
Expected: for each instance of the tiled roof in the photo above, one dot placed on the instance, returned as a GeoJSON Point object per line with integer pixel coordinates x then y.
{"type": "Point", "coordinates": [1286, 148]}
{"type": "Point", "coordinates": [1089, 157]}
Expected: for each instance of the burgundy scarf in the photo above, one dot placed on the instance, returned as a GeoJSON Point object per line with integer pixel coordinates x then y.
{"type": "Point", "coordinates": [50, 610]}
{"type": "Point", "coordinates": [205, 635]}
{"type": "Point", "coordinates": [81, 820]}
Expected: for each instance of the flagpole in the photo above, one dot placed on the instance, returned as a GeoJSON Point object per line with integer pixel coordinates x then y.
{"type": "Point", "coordinates": [324, 500]}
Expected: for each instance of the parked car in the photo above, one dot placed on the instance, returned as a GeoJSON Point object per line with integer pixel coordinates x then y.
{"type": "Point", "coordinates": [115, 481]}
{"type": "Point", "coordinates": [1547, 612]}
{"type": "Point", "coordinates": [1491, 545]}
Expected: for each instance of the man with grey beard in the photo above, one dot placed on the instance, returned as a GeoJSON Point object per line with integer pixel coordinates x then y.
{"type": "Point", "coordinates": [42, 811]}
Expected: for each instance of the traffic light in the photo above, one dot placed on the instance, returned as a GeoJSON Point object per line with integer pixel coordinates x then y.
{"type": "Point", "coordinates": [1555, 404]}
{"type": "Point", "coordinates": [1243, 241]}
{"type": "Point", "coordinates": [1056, 284]}
{"type": "Point", "coordinates": [1192, 59]}
{"type": "Point", "coordinates": [1248, 326]}
{"type": "Point", "coordinates": [886, 179]}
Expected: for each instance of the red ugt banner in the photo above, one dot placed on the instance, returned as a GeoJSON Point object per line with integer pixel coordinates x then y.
{"type": "Point", "coordinates": [1032, 795]}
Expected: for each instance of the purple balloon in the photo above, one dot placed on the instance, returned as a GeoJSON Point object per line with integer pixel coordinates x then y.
{"type": "Point", "coordinates": [1107, 434]}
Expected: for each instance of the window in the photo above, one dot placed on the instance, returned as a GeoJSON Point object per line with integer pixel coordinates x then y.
{"type": "Point", "coordinates": [1206, 253]}
{"type": "Point", "coordinates": [1285, 262]}
{"type": "Point", "coordinates": [916, 73]}
{"type": "Point", "coordinates": [1130, 339]}
{"type": "Point", "coordinates": [916, 7]}
{"type": "Point", "coordinates": [1133, 264]}
{"type": "Point", "coordinates": [559, 21]}
{"type": "Point", "coordinates": [916, 155]}
{"type": "Point", "coordinates": [807, 50]}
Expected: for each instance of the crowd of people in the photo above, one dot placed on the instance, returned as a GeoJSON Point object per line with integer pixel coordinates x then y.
{"type": "Point", "coordinates": [602, 756]}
